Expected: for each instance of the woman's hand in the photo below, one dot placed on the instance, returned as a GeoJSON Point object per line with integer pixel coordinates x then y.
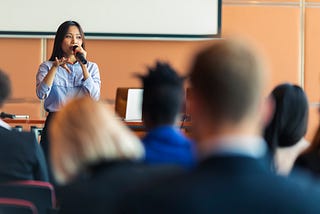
{"type": "Point", "coordinates": [62, 62]}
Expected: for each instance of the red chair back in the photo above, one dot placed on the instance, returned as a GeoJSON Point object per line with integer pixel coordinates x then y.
{"type": "Point", "coordinates": [40, 193]}
{"type": "Point", "coordinates": [16, 206]}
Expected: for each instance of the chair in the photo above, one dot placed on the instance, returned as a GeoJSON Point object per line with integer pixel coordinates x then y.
{"type": "Point", "coordinates": [40, 193]}
{"type": "Point", "coordinates": [16, 206]}
{"type": "Point", "coordinates": [121, 100]}
{"type": "Point", "coordinates": [37, 131]}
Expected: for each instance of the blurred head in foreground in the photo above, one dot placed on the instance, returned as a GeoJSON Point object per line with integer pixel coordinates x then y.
{"type": "Point", "coordinates": [227, 82]}
{"type": "Point", "coordinates": [85, 133]}
{"type": "Point", "coordinates": [163, 95]}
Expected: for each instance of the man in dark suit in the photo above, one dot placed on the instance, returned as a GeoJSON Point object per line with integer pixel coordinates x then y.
{"type": "Point", "coordinates": [21, 157]}
{"type": "Point", "coordinates": [228, 115]}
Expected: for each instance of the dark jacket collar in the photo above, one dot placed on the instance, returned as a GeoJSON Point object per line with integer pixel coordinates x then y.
{"type": "Point", "coordinates": [234, 163]}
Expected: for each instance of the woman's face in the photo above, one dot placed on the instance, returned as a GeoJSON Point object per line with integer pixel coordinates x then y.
{"type": "Point", "coordinates": [72, 37]}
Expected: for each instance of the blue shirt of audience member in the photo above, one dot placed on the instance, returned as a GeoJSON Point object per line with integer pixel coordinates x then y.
{"type": "Point", "coordinates": [167, 145]}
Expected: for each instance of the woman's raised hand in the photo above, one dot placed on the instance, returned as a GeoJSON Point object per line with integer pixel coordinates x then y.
{"type": "Point", "coordinates": [62, 62]}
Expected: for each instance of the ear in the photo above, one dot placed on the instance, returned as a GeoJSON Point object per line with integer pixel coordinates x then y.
{"type": "Point", "coordinates": [198, 111]}
{"type": "Point", "coordinates": [198, 116]}
{"type": "Point", "coordinates": [193, 102]}
{"type": "Point", "coordinates": [267, 110]}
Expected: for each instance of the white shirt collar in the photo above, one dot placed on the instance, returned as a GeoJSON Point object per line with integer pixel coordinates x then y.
{"type": "Point", "coordinates": [286, 156]}
{"type": "Point", "coordinates": [251, 146]}
{"type": "Point", "coordinates": [5, 125]}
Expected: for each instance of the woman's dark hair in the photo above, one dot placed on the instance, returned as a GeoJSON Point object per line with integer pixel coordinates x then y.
{"type": "Point", "coordinates": [290, 120]}
{"type": "Point", "coordinates": [60, 34]}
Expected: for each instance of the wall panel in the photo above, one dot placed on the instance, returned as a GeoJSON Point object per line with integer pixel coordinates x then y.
{"type": "Point", "coordinates": [312, 66]}
{"type": "Point", "coordinates": [312, 63]}
{"type": "Point", "coordinates": [20, 58]}
{"type": "Point", "coordinates": [277, 36]}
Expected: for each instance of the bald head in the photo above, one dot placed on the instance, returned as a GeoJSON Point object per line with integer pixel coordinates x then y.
{"type": "Point", "coordinates": [228, 78]}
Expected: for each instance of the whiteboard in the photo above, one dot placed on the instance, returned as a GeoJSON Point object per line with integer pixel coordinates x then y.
{"type": "Point", "coordinates": [112, 18]}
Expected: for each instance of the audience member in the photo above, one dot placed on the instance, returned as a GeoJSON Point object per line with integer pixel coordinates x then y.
{"type": "Point", "coordinates": [163, 97]}
{"type": "Point", "coordinates": [93, 156]}
{"type": "Point", "coordinates": [228, 115]}
{"type": "Point", "coordinates": [21, 157]}
{"type": "Point", "coordinates": [285, 133]}
{"type": "Point", "coordinates": [310, 159]}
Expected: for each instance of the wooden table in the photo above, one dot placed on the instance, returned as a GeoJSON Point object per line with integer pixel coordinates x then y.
{"type": "Point", "coordinates": [136, 126]}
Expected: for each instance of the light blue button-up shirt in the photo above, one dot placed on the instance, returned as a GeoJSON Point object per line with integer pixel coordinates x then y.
{"type": "Point", "coordinates": [67, 85]}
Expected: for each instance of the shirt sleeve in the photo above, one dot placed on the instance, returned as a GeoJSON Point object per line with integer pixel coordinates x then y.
{"type": "Point", "coordinates": [42, 89]}
{"type": "Point", "coordinates": [93, 83]}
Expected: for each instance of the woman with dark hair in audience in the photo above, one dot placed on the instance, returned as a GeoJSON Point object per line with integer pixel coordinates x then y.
{"type": "Point", "coordinates": [65, 75]}
{"type": "Point", "coordinates": [286, 131]}
{"type": "Point", "coordinates": [96, 158]}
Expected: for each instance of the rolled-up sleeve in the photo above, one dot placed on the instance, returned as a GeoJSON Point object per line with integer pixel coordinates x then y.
{"type": "Point", "coordinates": [42, 89]}
{"type": "Point", "coordinates": [93, 83]}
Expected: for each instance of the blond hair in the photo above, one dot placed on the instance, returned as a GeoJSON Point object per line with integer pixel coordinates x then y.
{"type": "Point", "coordinates": [85, 132]}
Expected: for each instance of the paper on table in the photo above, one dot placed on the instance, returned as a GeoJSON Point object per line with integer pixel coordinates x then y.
{"type": "Point", "coordinates": [134, 105]}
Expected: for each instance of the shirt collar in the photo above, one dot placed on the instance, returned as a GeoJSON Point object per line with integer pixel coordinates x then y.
{"type": "Point", "coordinates": [5, 125]}
{"type": "Point", "coordinates": [250, 146]}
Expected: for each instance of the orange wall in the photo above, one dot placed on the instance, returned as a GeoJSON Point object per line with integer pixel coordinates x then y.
{"type": "Point", "coordinates": [274, 26]}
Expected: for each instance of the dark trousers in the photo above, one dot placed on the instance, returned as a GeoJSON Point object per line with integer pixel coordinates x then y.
{"type": "Point", "coordinates": [45, 144]}
{"type": "Point", "coordinates": [44, 141]}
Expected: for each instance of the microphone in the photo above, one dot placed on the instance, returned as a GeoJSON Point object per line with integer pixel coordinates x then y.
{"type": "Point", "coordinates": [80, 56]}
{"type": "Point", "coordinates": [6, 115]}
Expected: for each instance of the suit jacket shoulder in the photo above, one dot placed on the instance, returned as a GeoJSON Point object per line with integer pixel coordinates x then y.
{"type": "Point", "coordinates": [21, 157]}
{"type": "Point", "coordinates": [226, 185]}
{"type": "Point", "coordinates": [102, 190]}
